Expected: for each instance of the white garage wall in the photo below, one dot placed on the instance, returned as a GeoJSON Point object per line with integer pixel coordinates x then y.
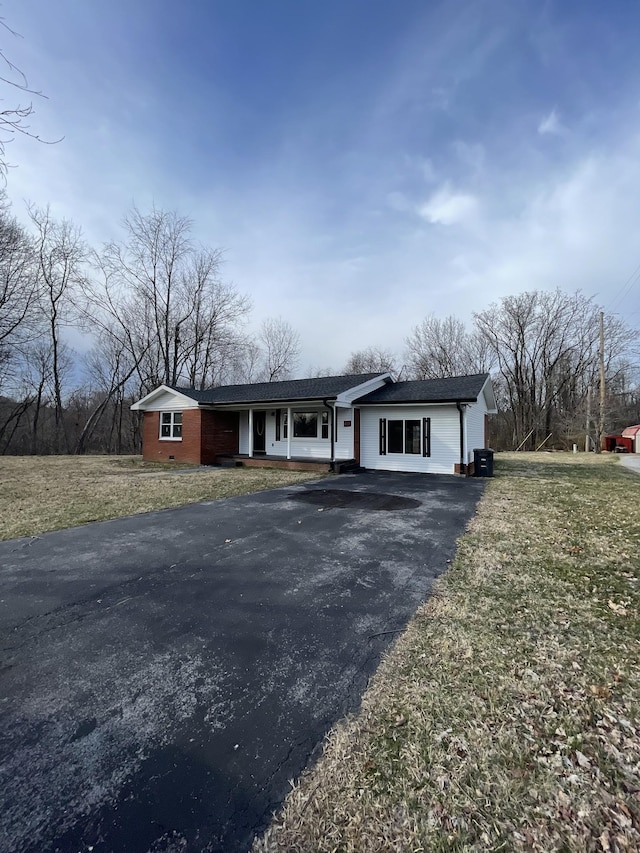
{"type": "Point", "coordinates": [445, 439]}
{"type": "Point", "coordinates": [475, 428]}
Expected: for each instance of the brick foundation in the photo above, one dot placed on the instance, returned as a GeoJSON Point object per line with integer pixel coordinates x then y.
{"type": "Point", "coordinates": [467, 470]}
{"type": "Point", "coordinates": [286, 464]}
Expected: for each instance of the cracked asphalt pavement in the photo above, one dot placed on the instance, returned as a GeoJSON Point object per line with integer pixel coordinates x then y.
{"type": "Point", "coordinates": [164, 676]}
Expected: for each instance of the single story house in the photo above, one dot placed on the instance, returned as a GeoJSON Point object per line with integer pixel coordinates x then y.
{"type": "Point", "coordinates": [362, 420]}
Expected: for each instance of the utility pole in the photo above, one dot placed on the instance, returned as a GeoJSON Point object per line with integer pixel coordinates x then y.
{"type": "Point", "coordinates": [587, 437]}
{"type": "Point", "coordinates": [602, 389]}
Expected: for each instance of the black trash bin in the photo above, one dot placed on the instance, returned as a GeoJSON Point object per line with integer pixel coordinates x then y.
{"type": "Point", "coordinates": [483, 462]}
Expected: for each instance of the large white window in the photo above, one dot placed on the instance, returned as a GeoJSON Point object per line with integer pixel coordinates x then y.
{"type": "Point", "coordinates": [305, 424]}
{"type": "Point", "coordinates": [171, 425]}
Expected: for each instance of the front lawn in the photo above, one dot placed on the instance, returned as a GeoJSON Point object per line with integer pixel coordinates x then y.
{"type": "Point", "coordinates": [507, 716]}
{"type": "Point", "coordinates": [40, 493]}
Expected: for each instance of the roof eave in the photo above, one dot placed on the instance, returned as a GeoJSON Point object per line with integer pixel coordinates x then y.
{"type": "Point", "coordinates": [273, 402]}
{"type": "Point", "coordinates": [417, 402]}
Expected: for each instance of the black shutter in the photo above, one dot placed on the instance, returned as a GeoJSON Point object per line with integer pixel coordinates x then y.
{"type": "Point", "coordinates": [278, 411]}
{"type": "Point", "coordinates": [426, 436]}
{"type": "Point", "coordinates": [383, 436]}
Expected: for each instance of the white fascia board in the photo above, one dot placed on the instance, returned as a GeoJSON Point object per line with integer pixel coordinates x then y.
{"type": "Point", "coordinates": [262, 405]}
{"type": "Point", "coordinates": [423, 404]}
{"type": "Point", "coordinates": [490, 397]}
{"type": "Point", "coordinates": [347, 397]}
{"type": "Point", "coordinates": [146, 403]}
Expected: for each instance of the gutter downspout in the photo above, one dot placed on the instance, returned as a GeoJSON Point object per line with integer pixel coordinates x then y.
{"type": "Point", "coordinates": [332, 432]}
{"type": "Point", "coordinates": [463, 464]}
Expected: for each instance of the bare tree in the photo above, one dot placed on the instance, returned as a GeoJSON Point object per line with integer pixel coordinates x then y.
{"type": "Point", "coordinates": [182, 323]}
{"type": "Point", "coordinates": [545, 345]}
{"type": "Point", "coordinates": [439, 348]}
{"type": "Point", "coordinates": [281, 349]}
{"type": "Point", "coordinates": [60, 255]}
{"type": "Point", "coordinates": [19, 293]}
{"type": "Point", "coordinates": [14, 120]}
{"type": "Point", "coordinates": [374, 359]}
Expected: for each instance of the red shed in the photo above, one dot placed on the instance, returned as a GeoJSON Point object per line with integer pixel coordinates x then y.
{"type": "Point", "coordinates": [617, 444]}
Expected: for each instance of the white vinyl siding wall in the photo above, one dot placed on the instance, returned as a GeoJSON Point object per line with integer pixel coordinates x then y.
{"type": "Point", "coordinates": [445, 439]}
{"type": "Point", "coordinates": [307, 448]}
{"type": "Point", "coordinates": [475, 428]}
{"type": "Point", "coordinates": [167, 402]}
{"type": "Point", "coordinates": [344, 442]}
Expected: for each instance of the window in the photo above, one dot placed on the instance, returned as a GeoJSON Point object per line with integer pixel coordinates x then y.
{"type": "Point", "coordinates": [394, 441]}
{"type": "Point", "coordinates": [324, 426]}
{"type": "Point", "coordinates": [171, 425]}
{"type": "Point", "coordinates": [285, 424]}
{"type": "Point", "coordinates": [406, 436]}
{"type": "Point", "coordinates": [412, 436]}
{"type": "Point", "coordinates": [305, 424]}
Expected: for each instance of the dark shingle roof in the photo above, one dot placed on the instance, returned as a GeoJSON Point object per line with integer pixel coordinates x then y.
{"type": "Point", "coordinates": [267, 392]}
{"type": "Point", "coordinates": [457, 389]}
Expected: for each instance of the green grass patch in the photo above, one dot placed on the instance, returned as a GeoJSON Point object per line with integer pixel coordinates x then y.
{"type": "Point", "coordinates": [507, 715]}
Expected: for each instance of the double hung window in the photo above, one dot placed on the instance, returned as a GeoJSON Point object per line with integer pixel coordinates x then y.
{"type": "Point", "coordinates": [171, 425]}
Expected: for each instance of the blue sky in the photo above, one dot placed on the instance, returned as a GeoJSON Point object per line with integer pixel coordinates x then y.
{"type": "Point", "coordinates": [364, 164]}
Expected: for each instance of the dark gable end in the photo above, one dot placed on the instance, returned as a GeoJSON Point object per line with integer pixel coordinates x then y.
{"type": "Point", "coordinates": [457, 389]}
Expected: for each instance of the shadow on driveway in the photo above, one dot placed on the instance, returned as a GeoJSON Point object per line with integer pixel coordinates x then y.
{"type": "Point", "coordinates": [164, 676]}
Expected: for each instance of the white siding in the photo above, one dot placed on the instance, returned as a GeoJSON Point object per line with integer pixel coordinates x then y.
{"type": "Point", "coordinates": [308, 448]}
{"type": "Point", "coordinates": [445, 439]}
{"type": "Point", "coordinates": [475, 427]}
{"type": "Point", "coordinates": [344, 442]}
{"type": "Point", "coordinates": [167, 402]}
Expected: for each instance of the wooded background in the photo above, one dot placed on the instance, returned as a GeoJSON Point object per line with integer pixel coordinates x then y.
{"type": "Point", "coordinates": [156, 310]}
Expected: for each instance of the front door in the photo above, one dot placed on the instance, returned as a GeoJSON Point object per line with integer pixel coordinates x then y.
{"type": "Point", "coordinates": [259, 429]}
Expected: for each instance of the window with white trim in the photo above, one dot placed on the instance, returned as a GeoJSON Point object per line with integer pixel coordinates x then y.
{"type": "Point", "coordinates": [171, 426]}
{"type": "Point", "coordinates": [305, 424]}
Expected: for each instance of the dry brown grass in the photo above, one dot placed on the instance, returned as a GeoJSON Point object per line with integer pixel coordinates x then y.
{"type": "Point", "coordinates": [40, 493]}
{"type": "Point", "coordinates": [507, 715]}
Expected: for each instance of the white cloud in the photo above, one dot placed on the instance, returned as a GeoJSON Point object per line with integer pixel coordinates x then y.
{"type": "Point", "coordinates": [447, 207]}
{"type": "Point", "coordinates": [551, 125]}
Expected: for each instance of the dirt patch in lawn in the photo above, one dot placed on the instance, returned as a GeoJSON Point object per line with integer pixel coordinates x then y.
{"type": "Point", "coordinates": [507, 715]}
{"type": "Point", "coordinates": [40, 493]}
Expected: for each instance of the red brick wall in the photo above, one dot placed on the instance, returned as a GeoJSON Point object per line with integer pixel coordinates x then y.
{"type": "Point", "coordinates": [356, 435]}
{"type": "Point", "coordinates": [220, 435]}
{"type": "Point", "coordinates": [204, 436]}
{"type": "Point", "coordinates": [156, 450]}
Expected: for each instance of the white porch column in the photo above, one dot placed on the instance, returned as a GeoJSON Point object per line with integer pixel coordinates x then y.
{"type": "Point", "coordinates": [289, 428]}
{"type": "Point", "coordinates": [250, 433]}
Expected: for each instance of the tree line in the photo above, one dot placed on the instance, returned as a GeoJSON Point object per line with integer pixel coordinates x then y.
{"type": "Point", "coordinates": [542, 350]}
{"type": "Point", "coordinates": [156, 310]}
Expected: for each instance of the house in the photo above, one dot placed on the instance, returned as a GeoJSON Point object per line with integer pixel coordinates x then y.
{"type": "Point", "coordinates": [366, 420]}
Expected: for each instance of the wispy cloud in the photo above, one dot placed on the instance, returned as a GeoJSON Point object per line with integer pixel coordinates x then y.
{"type": "Point", "coordinates": [448, 207]}
{"type": "Point", "coordinates": [551, 125]}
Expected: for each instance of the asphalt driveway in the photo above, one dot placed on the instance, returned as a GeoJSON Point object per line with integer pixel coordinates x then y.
{"type": "Point", "coordinates": [164, 676]}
